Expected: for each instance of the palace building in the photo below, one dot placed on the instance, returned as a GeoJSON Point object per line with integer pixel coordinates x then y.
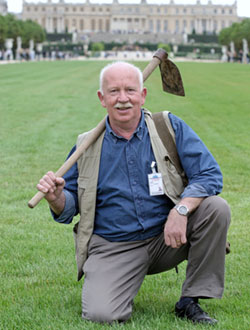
{"type": "Point", "coordinates": [3, 7]}
{"type": "Point", "coordinates": [143, 19]}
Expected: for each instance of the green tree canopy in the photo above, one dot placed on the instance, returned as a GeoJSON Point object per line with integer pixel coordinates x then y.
{"type": "Point", "coordinates": [236, 33]}
{"type": "Point", "coordinates": [97, 47]}
{"type": "Point", "coordinates": [166, 47]}
{"type": "Point", "coordinates": [11, 27]}
{"type": "Point", "coordinates": [3, 30]}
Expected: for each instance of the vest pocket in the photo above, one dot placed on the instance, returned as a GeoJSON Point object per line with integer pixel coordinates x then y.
{"type": "Point", "coordinates": [82, 185]}
{"type": "Point", "coordinates": [82, 182]}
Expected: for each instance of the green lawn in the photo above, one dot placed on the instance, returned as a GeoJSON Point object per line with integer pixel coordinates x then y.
{"type": "Point", "coordinates": [43, 107]}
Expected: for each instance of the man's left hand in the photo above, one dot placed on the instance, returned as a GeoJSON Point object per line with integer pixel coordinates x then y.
{"type": "Point", "coordinates": [175, 229]}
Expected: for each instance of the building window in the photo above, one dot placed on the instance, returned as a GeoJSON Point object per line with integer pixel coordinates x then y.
{"type": "Point", "coordinates": [100, 25]}
{"type": "Point", "coordinates": [158, 26]}
{"type": "Point", "coordinates": [177, 26]}
{"type": "Point", "coordinates": [93, 25]}
{"type": "Point", "coordinates": [81, 24]}
{"type": "Point", "coordinates": [82, 9]}
{"type": "Point", "coordinates": [204, 25]}
{"type": "Point", "coordinates": [184, 25]}
{"type": "Point", "coordinates": [73, 22]}
{"type": "Point", "coordinates": [107, 25]}
{"type": "Point", "coordinates": [215, 26]}
{"type": "Point", "coordinates": [165, 26]}
{"type": "Point", "coordinates": [55, 24]}
{"type": "Point", "coordinates": [192, 26]}
{"type": "Point", "coordinates": [151, 26]}
{"type": "Point", "coordinates": [66, 25]}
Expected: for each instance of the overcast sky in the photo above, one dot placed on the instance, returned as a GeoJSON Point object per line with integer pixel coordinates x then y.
{"type": "Point", "coordinates": [243, 5]}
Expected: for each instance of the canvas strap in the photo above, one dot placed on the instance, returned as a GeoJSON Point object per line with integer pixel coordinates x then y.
{"type": "Point", "coordinates": [166, 134]}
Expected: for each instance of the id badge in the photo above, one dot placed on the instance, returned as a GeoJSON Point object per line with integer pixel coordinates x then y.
{"type": "Point", "coordinates": [155, 182]}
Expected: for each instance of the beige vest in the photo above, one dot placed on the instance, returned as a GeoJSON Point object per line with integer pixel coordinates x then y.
{"type": "Point", "coordinates": [88, 168]}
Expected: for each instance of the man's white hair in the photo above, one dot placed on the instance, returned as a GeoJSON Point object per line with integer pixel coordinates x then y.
{"type": "Point", "coordinates": [119, 63]}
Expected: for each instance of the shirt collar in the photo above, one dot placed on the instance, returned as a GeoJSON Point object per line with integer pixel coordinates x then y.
{"type": "Point", "coordinates": [138, 132]}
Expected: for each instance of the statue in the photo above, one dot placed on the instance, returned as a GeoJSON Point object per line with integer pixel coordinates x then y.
{"type": "Point", "coordinates": [8, 55]}
{"type": "Point", "coordinates": [245, 51]}
{"type": "Point", "coordinates": [224, 54]}
{"type": "Point", "coordinates": [31, 50]}
{"type": "Point", "coordinates": [232, 51]}
{"type": "Point", "coordinates": [185, 37]}
{"type": "Point", "coordinates": [18, 48]}
{"type": "Point", "coordinates": [39, 51]}
{"type": "Point", "coordinates": [74, 37]}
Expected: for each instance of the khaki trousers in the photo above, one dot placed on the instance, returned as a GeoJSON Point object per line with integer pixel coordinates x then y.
{"type": "Point", "coordinates": [114, 271]}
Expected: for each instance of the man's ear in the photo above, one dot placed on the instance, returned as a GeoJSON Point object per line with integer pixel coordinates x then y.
{"type": "Point", "coordinates": [101, 98]}
{"type": "Point", "coordinates": [144, 94]}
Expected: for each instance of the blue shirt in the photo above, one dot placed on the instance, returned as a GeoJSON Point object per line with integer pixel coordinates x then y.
{"type": "Point", "coordinates": [124, 209]}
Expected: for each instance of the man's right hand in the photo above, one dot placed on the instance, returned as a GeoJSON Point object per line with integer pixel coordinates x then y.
{"type": "Point", "coordinates": [52, 187]}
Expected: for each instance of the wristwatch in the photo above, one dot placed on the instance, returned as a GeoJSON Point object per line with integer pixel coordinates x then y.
{"type": "Point", "coordinates": [182, 209]}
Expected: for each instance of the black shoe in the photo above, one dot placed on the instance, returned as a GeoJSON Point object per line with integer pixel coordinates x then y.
{"type": "Point", "coordinates": [193, 312]}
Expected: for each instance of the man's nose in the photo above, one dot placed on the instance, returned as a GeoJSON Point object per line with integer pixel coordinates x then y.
{"type": "Point", "coordinates": [123, 97]}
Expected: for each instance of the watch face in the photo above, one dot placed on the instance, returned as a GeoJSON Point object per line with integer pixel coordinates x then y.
{"type": "Point", "coordinates": [183, 210]}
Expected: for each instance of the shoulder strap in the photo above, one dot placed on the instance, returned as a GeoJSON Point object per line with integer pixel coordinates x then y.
{"type": "Point", "coordinates": [163, 127]}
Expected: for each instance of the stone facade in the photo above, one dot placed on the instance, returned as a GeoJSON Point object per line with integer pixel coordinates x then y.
{"type": "Point", "coordinates": [142, 19]}
{"type": "Point", "coordinates": [3, 7]}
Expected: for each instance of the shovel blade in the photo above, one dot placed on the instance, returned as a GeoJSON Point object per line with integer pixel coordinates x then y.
{"type": "Point", "coordinates": [171, 78]}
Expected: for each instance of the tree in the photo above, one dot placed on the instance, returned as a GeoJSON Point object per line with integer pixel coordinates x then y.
{"type": "Point", "coordinates": [236, 32]}
{"type": "Point", "coordinates": [10, 27]}
{"type": "Point", "coordinates": [166, 47]}
{"type": "Point", "coordinates": [32, 30]}
{"type": "Point", "coordinates": [3, 30]}
{"type": "Point", "coordinates": [225, 36]}
{"type": "Point", "coordinates": [97, 47]}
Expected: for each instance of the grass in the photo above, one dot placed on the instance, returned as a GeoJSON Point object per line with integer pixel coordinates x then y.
{"type": "Point", "coordinates": [43, 107]}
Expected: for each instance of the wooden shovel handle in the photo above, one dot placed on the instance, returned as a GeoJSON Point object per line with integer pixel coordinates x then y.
{"type": "Point", "coordinates": [159, 56]}
{"type": "Point", "coordinates": [92, 137]}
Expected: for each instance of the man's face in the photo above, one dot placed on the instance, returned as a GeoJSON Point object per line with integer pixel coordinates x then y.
{"type": "Point", "coordinates": [122, 96]}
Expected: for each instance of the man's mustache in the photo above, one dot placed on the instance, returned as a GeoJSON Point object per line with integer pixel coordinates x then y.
{"type": "Point", "coordinates": [120, 105]}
